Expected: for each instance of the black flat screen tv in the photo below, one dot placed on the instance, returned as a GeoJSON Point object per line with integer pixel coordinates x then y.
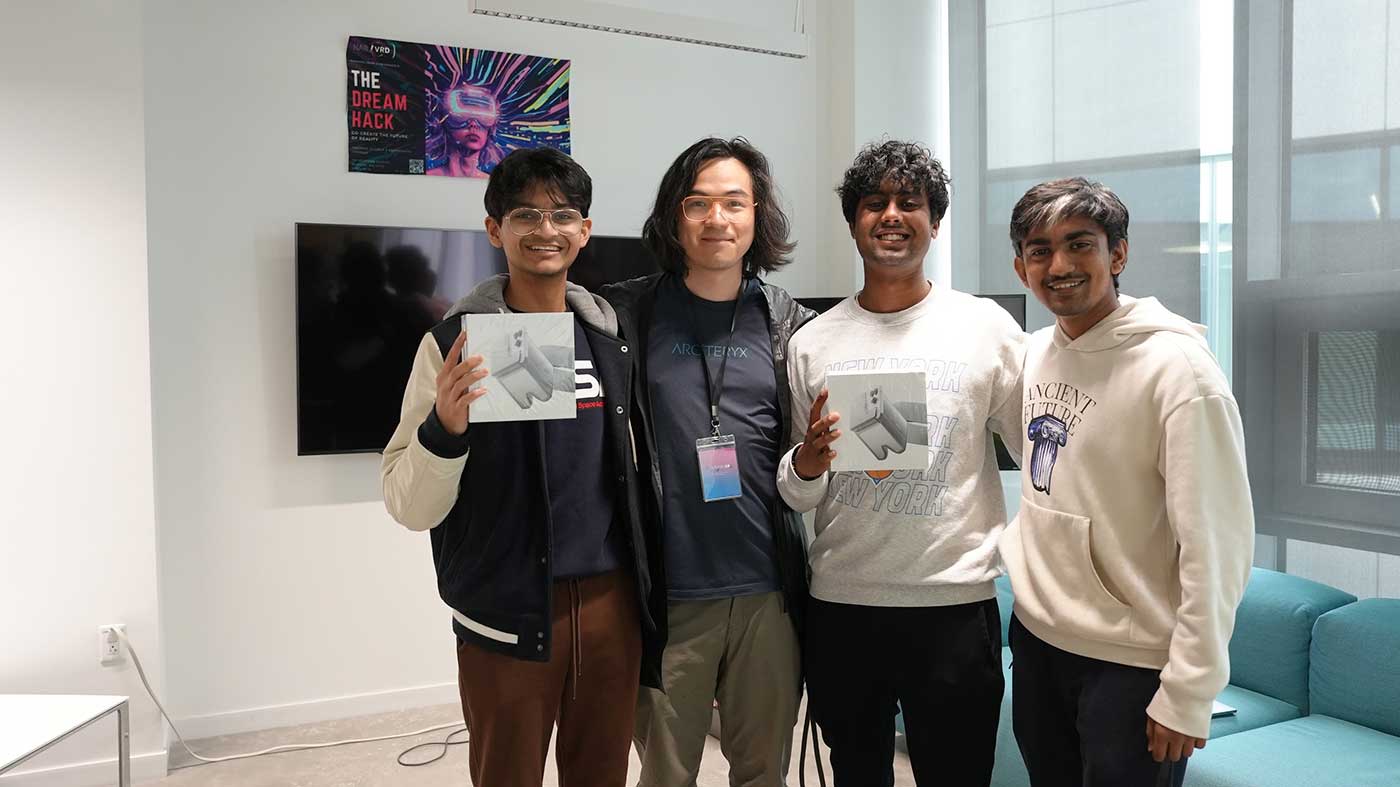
{"type": "Point", "coordinates": [365, 296]}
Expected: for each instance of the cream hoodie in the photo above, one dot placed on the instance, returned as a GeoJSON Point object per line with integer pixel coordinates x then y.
{"type": "Point", "coordinates": [1135, 534]}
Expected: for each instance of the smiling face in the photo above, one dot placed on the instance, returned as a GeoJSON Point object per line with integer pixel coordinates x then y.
{"type": "Point", "coordinates": [1069, 267]}
{"type": "Point", "coordinates": [893, 227]}
{"type": "Point", "coordinates": [544, 251]}
{"type": "Point", "coordinates": [719, 242]}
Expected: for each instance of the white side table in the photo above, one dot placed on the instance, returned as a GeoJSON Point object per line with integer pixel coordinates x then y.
{"type": "Point", "coordinates": [31, 723]}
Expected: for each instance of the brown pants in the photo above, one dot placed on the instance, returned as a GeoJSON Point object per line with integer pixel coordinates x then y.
{"type": "Point", "coordinates": [588, 686]}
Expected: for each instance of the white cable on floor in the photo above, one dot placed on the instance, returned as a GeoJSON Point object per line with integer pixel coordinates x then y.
{"type": "Point", "coordinates": [274, 750]}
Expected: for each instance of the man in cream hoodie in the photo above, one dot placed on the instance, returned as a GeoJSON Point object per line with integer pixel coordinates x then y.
{"type": "Point", "coordinates": [1135, 533]}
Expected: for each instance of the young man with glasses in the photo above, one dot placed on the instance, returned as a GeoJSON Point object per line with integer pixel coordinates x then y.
{"type": "Point", "coordinates": [903, 603]}
{"type": "Point", "coordinates": [714, 389]}
{"type": "Point", "coordinates": [539, 528]}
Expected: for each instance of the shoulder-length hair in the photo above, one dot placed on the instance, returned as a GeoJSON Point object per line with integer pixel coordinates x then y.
{"type": "Point", "coordinates": [771, 245]}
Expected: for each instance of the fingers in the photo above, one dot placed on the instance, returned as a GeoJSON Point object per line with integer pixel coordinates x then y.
{"type": "Point", "coordinates": [449, 377]}
{"type": "Point", "coordinates": [1156, 741]}
{"type": "Point", "coordinates": [816, 411]}
{"type": "Point", "coordinates": [471, 396]}
{"type": "Point", "coordinates": [1166, 744]}
{"type": "Point", "coordinates": [821, 430]}
{"type": "Point", "coordinates": [1174, 747]}
{"type": "Point", "coordinates": [460, 386]}
{"type": "Point", "coordinates": [454, 354]}
{"type": "Point", "coordinates": [819, 437]}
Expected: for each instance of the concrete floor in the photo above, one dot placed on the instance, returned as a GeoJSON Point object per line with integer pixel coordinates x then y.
{"type": "Point", "coordinates": [367, 764]}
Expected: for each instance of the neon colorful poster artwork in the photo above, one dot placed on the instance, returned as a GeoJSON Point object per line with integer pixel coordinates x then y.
{"type": "Point", "coordinates": [424, 109]}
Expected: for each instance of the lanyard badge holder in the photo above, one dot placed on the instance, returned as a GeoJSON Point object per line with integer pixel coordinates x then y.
{"type": "Point", "coordinates": [718, 454]}
{"type": "Point", "coordinates": [719, 466]}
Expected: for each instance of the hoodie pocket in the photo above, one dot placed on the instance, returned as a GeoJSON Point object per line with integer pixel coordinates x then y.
{"type": "Point", "coordinates": [1056, 583]}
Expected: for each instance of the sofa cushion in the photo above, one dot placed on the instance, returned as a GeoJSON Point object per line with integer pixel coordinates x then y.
{"type": "Point", "coordinates": [1252, 710]}
{"type": "Point", "coordinates": [1355, 670]}
{"type": "Point", "coordinates": [1273, 632]}
{"type": "Point", "coordinates": [1317, 751]}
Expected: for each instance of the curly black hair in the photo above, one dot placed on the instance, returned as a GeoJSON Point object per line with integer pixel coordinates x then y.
{"type": "Point", "coordinates": [526, 168]}
{"type": "Point", "coordinates": [771, 245]}
{"type": "Point", "coordinates": [909, 164]}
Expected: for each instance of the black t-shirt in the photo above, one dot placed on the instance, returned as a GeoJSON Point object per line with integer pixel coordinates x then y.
{"type": "Point", "coordinates": [581, 500]}
{"type": "Point", "coordinates": [723, 548]}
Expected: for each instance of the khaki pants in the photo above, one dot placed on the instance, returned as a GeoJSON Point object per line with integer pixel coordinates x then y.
{"type": "Point", "coordinates": [742, 652]}
{"type": "Point", "coordinates": [588, 687]}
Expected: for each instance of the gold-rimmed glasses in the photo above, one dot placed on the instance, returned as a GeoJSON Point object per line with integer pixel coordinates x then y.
{"type": "Point", "coordinates": [523, 221]}
{"type": "Point", "coordinates": [730, 208]}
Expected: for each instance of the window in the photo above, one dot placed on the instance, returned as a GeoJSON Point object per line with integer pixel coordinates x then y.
{"type": "Point", "coordinates": [1319, 290]}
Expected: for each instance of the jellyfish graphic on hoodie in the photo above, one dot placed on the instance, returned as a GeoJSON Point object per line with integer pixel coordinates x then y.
{"type": "Point", "coordinates": [1048, 434]}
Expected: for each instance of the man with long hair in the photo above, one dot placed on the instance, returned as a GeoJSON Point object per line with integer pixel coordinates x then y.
{"type": "Point", "coordinates": [714, 386]}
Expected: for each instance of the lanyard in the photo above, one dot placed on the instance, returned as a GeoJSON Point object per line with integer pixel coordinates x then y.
{"type": "Point", "coordinates": [715, 390]}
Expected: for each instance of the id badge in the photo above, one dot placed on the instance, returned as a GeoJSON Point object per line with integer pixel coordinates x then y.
{"type": "Point", "coordinates": [719, 468]}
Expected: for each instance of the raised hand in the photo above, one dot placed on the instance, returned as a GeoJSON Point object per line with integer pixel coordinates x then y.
{"type": "Point", "coordinates": [814, 455]}
{"type": "Point", "coordinates": [454, 382]}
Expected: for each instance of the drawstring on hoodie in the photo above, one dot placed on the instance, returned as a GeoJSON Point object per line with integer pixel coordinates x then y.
{"type": "Point", "coordinates": [576, 622]}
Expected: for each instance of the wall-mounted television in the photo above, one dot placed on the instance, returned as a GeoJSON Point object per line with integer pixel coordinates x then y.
{"type": "Point", "coordinates": [365, 296]}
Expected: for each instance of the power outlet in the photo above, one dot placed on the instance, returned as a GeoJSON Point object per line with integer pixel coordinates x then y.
{"type": "Point", "coordinates": [109, 646]}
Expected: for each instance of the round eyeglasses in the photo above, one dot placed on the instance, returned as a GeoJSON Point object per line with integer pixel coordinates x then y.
{"type": "Point", "coordinates": [523, 221]}
{"type": "Point", "coordinates": [730, 208]}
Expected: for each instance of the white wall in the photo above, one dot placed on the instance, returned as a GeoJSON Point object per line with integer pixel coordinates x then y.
{"type": "Point", "coordinates": [1057, 61]}
{"type": "Point", "coordinates": [901, 74]}
{"type": "Point", "coordinates": [845, 138]}
{"type": "Point", "coordinates": [78, 528]}
{"type": "Point", "coordinates": [285, 584]}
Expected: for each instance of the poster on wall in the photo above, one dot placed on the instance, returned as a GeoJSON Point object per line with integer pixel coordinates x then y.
{"type": "Point", "coordinates": [425, 109]}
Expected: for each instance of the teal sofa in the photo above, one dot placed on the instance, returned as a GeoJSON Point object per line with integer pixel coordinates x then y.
{"type": "Point", "coordinates": [1350, 734]}
{"type": "Point", "coordinates": [1314, 679]}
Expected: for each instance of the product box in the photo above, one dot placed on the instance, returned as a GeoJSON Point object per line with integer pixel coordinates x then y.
{"type": "Point", "coordinates": [530, 358]}
{"type": "Point", "coordinates": [884, 420]}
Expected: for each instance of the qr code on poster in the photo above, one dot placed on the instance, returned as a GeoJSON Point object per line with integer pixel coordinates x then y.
{"type": "Point", "coordinates": [415, 166]}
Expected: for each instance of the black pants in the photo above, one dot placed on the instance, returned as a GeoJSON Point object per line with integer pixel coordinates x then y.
{"type": "Point", "coordinates": [941, 664]}
{"type": "Point", "coordinates": [1082, 722]}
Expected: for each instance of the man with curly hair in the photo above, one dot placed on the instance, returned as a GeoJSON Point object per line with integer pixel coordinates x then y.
{"type": "Point", "coordinates": [714, 393]}
{"type": "Point", "coordinates": [903, 609]}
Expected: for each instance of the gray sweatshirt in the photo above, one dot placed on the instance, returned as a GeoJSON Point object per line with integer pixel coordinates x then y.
{"type": "Point", "coordinates": [911, 538]}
